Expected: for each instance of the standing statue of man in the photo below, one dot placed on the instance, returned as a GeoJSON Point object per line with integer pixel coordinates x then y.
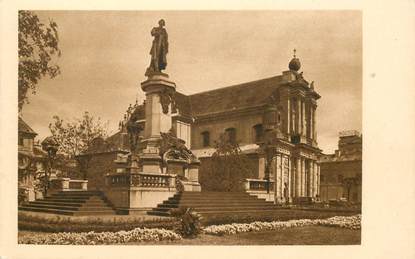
{"type": "Point", "coordinates": [159, 49]}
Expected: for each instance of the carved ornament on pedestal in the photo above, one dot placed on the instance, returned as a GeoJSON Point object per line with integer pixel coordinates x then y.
{"type": "Point", "coordinates": [167, 98]}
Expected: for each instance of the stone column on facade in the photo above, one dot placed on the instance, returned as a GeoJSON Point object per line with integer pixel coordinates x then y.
{"type": "Point", "coordinates": [304, 130]}
{"type": "Point", "coordinates": [318, 179]}
{"type": "Point", "coordinates": [298, 178]}
{"type": "Point", "coordinates": [303, 177]}
{"type": "Point", "coordinates": [289, 178]}
{"type": "Point", "coordinates": [298, 117]}
{"type": "Point", "coordinates": [279, 178]}
{"type": "Point", "coordinates": [288, 116]}
{"type": "Point", "coordinates": [283, 159]}
{"type": "Point", "coordinates": [311, 128]}
{"type": "Point", "coordinates": [293, 115]}
{"type": "Point", "coordinates": [314, 123]}
{"type": "Point", "coordinates": [311, 178]}
{"type": "Point", "coordinates": [293, 174]}
{"type": "Point", "coordinates": [306, 122]}
{"type": "Point", "coordinates": [316, 187]}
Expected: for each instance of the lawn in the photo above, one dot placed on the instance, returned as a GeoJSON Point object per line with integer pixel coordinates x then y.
{"type": "Point", "coordinates": [308, 235]}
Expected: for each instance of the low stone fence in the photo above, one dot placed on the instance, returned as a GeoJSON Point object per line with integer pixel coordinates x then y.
{"type": "Point", "coordinates": [67, 184]}
{"type": "Point", "coordinates": [136, 193]}
{"type": "Point", "coordinates": [258, 187]}
{"type": "Point", "coordinates": [258, 184]}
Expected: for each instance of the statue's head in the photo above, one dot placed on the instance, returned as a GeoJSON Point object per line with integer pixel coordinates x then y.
{"type": "Point", "coordinates": [162, 23]}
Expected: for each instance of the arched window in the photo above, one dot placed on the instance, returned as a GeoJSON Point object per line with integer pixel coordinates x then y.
{"type": "Point", "coordinates": [231, 135]}
{"type": "Point", "coordinates": [258, 133]}
{"type": "Point", "coordinates": [205, 138]}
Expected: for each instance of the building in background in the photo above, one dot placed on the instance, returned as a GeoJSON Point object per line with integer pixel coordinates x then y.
{"type": "Point", "coordinates": [341, 172]}
{"type": "Point", "coordinates": [31, 159]}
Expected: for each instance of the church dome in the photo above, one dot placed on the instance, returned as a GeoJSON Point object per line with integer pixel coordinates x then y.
{"type": "Point", "coordinates": [295, 63]}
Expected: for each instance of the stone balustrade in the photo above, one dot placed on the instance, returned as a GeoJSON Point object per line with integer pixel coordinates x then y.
{"type": "Point", "coordinates": [258, 188]}
{"type": "Point", "coordinates": [145, 180]}
{"type": "Point", "coordinates": [258, 185]}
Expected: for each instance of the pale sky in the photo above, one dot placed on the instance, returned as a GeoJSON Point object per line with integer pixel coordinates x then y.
{"type": "Point", "coordinates": [105, 54]}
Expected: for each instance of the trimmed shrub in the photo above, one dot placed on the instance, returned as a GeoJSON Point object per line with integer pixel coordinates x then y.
{"type": "Point", "coordinates": [190, 225]}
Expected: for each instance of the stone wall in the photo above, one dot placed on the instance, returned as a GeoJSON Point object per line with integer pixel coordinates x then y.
{"type": "Point", "coordinates": [245, 133]}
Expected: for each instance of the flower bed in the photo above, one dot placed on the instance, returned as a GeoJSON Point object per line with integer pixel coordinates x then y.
{"type": "Point", "coordinates": [351, 222]}
{"type": "Point", "coordinates": [55, 223]}
{"type": "Point", "coordinates": [93, 238]}
{"type": "Point", "coordinates": [283, 214]}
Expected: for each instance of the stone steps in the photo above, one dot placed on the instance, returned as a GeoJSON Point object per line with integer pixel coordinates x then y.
{"type": "Point", "coordinates": [75, 203]}
{"type": "Point", "coordinates": [202, 205]}
{"type": "Point", "coordinates": [214, 203]}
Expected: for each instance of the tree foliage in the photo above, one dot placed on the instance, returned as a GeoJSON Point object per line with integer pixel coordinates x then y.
{"type": "Point", "coordinates": [227, 169]}
{"type": "Point", "coordinates": [76, 137]}
{"type": "Point", "coordinates": [38, 44]}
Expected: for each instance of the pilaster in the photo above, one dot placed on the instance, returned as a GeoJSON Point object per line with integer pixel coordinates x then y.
{"type": "Point", "coordinates": [298, 178]}
{"type": "Point", "coordinates": [303, 178]}
{"type": "Point", "coordinates": [310, 178]}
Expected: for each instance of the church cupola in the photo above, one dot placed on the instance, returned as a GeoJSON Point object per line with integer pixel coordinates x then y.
{"type": "Point", "coordinates": [295, 63]}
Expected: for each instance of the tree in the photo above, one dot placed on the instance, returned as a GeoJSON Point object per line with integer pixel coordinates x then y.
{"type": "Point", "coordinates": [38, 44]}
{"type": "Point", "coordinates": [77, 137]}
{"type": "Point", "coordinates": [227, 169]}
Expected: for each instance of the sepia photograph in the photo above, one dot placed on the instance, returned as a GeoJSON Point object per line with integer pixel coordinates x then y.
{"type": "Point", "coordinates": [189, 127]}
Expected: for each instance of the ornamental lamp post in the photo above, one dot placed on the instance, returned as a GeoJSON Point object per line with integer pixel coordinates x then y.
{"type": "Point", "coordinates": [50, 145]}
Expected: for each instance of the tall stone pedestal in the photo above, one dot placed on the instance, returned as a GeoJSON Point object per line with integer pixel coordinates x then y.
{"type": "Point", "coordinates": [159, 98]}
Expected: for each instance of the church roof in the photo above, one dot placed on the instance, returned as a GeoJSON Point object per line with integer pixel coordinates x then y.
{"type": "Point", "coordinates": [250, 94]}
{"type": "Point", "coordinates": [183, 104]}
{"type": "Point", "coordinates": [235, 97]}
{"type": "Point", "coordinates": [24, 128]}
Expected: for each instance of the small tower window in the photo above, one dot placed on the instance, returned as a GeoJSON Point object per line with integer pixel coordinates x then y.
{"type": "Point", "coordinates": [259, 133]}
{"type": "Point", "coordinates": [205, 139]}
{"type": "Point", "coordinates": [231, 135]}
